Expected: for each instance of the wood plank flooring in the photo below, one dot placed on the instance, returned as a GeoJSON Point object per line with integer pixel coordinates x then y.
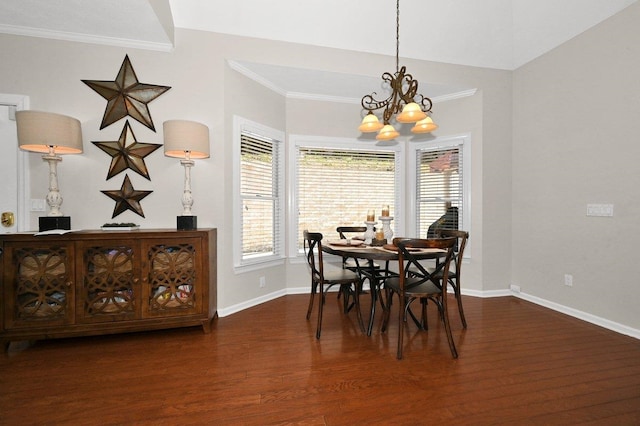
{"type": "Point", "coordinates": [519, 364]}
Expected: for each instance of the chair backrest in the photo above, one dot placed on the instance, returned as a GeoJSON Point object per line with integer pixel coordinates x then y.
{"type": "Point", "coordinates": [313, 253]}
{"type": "Point", "coordinates": [410, 257]}
{"type": "Point", "coordinates": [343, 231]}
{"type": "Point", "coordinates": [458, 253]}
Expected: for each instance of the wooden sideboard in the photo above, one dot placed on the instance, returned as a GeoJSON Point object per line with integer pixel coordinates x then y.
{"type": "Point", "coordinates": [104, 282]}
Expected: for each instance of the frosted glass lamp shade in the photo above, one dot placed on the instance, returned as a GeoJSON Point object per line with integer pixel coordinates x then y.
{"type": "Point", "coordinates": [370, 123]}
{"type": "Point", "coordinates": [181, 136]}
{"type": "Point", "coordinates": [411, 113]}
{"type": "Point", "coordinates": [424, 126]}
{"type": "Point", "coordinates": [387, 133]}
{"type": "Point", "coordinates": [38, 131]}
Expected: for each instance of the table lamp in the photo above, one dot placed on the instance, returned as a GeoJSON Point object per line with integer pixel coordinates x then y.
{"type": "Point", "coordinates": [186, 140]}
{"type": "Point", "coordinates": [51, 134]}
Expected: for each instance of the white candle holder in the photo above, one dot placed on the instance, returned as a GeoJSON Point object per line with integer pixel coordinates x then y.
{"type": "Point", "coordinates": [386, 228]}
{"type": "Point", "coordinates": [370, 233]}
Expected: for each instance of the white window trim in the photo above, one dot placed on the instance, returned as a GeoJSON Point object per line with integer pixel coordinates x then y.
{"type": "Point", "coordinates": [296, 141]}
{"type": "Point", "coordinates": [441, 142]}
{"type": "Point", "coordinates": [241, 125]}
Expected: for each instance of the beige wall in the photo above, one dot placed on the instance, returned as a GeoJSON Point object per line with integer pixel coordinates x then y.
{"type": "Point", "coordinates": [562, 157]}
{"type": "Point", "coordinates": [576, 142]}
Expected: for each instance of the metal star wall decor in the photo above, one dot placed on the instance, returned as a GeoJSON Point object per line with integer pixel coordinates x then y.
{"type": "Point", "coordinates": [126, 96]}
{"type": "Point", "coordinates": [127, 198]}
{"type": "Point", "coordinates": [127, 153]}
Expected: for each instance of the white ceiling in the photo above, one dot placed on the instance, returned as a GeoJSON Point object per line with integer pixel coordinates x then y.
{"type": "Point", "coordinates": [501, 34]}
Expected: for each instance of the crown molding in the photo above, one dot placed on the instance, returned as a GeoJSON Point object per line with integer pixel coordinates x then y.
{"type": "Point", "coordinates": [85, 38]}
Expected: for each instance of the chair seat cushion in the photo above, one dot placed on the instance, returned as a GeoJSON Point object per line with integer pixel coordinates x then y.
{"type": "Point", "coordinates": [334, 274]}
{"type": "Point", "coordinates": [413, 287]}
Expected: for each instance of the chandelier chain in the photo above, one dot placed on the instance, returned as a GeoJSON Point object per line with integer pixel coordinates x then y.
{"type": "Point", "coordinates": [397, 35]}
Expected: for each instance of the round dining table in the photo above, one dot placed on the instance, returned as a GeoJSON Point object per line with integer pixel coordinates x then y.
{"type": "Point", "coordinates": [376, 275]}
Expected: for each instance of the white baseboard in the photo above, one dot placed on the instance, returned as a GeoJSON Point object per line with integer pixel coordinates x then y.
{"type": "Point", "coordinates": [593, 319]}
{"type": "Point", "coordinates": [602, 322]}
{"type": "Point", "coordinates": [223, 312]}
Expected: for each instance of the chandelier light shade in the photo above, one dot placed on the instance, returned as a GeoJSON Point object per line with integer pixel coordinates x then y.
{"type": "Point", "coordinates": [411, 113]}
{"type": "Point", "coordinates": [405, 103]}
{"type": "Point", "coordinates": [370, 123]}
{"type": "Point", "coordinates": [186, 140]}
{"type": "Point", "coordinates": [424, 126]}
{"type": "Point", "coordinates": [387, 133]}
{"type": "Point", "coordinates": [50, 134]}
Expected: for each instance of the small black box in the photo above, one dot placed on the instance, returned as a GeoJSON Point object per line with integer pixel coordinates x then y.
{"type": "Point", "coordinates": [187, 223]}
{"type": "Point", "coordinates": [47, 223]}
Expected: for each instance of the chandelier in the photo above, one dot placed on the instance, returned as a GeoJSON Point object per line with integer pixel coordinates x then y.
{"type": "Point", "coordinates": [404, 97]}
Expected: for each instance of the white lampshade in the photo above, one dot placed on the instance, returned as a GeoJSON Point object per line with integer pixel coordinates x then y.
{"type": "Point", "coordinates": [424, 126]}
{"type": "Point", "coordinates": [387, 133]}
{"type": "Point", "coordinates": [411, 113]}
{"type": "Point", "coordinates": [181, 136]}
{"type": "Point", "coordinates": [370, 123]}
{"type": "Point", "coordinates": [38, 131]}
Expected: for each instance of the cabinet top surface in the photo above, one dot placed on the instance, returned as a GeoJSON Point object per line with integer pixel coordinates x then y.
{"type": "Point", "coordinates": [110, 234]}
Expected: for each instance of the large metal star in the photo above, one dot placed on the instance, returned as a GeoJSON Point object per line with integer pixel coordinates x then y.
{"type": "Point", "coordinates": [126, 96]}
{"type": "Point", "coordinates": [127, 198]}
{"type": "Point", "coordinates": [127, 153]}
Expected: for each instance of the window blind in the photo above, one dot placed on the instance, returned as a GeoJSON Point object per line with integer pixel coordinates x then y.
{"type": "Point", "coordinates": [439, 189]}
{"type": "Point", "coordinates": [260, 193]}
{"type": "Point", "coordinates": [338, 186]}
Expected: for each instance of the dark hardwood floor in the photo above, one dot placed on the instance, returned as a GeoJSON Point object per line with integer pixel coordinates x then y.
{"type": "Point", "coordinates": [519, 364]}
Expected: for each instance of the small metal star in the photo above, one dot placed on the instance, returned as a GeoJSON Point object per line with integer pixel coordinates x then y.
{"type": "Point", "coordinates": [127, 153]}
{"type": "Point", "coordinates": [126, 96]}
{"type": "Point", "coordinates": [127, 198]}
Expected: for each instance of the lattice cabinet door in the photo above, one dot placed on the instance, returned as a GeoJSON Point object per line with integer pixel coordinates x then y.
{"type": "Point", "coordinates": [109, 287]}
{"type": "Point", "coordinates": [172, 284]}
{"type": "Point", "coordinates": [38, 284]}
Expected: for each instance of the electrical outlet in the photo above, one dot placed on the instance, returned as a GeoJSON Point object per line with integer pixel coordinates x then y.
{"type": "Point", "coordinates": [599, 209]}
{"type": "Point", "coordinates": [568, 280]}
{"type": "Point", "coordinates": [263, 282]}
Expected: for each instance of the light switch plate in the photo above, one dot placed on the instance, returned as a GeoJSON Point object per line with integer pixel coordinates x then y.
{"type": "Point", "coordinates": [600, 210]}
{"type": "Point", "coordinates": [38, 205]}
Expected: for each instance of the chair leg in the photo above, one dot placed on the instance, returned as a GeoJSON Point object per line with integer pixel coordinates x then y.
{"type": "Point", "coordinates": [357, 303]}
{"type": "Point", "coordinates": [387, 311]}
{"type": "Point", "coordinates": [456, 290]}
{"type": "Point", "coordinates": [314, 289]}
{"type": "Point", "coordinates": [447, 327]}
{"type": "Point", "coordinates": [425, 323]}
{"type": "Point", "coordinates": [401, 319]}
{"type": "Point", "coordinates": [348, 293]}
{"type": "Point", "coordinates": [321, 301]}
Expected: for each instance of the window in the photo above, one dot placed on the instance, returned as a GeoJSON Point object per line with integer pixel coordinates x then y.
{"type": "Point", "coordinates": [337, 181]}
{"type": "Point", "coordinates": [259, 194]}
{"type": "Point", "coordinates": [441, 178]}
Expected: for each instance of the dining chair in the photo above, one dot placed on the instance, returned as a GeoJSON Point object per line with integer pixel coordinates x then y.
{"type": "Point", "coordinates": [347, 232]}
{"type": "Point", "coordinates": [456, 265]}
{"type": "Point", "coordinates": [323, 277]}
{"type": "Point", "coordinates": [372, 272]}
{"type": "Point", "coordinates": [419, 284]}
